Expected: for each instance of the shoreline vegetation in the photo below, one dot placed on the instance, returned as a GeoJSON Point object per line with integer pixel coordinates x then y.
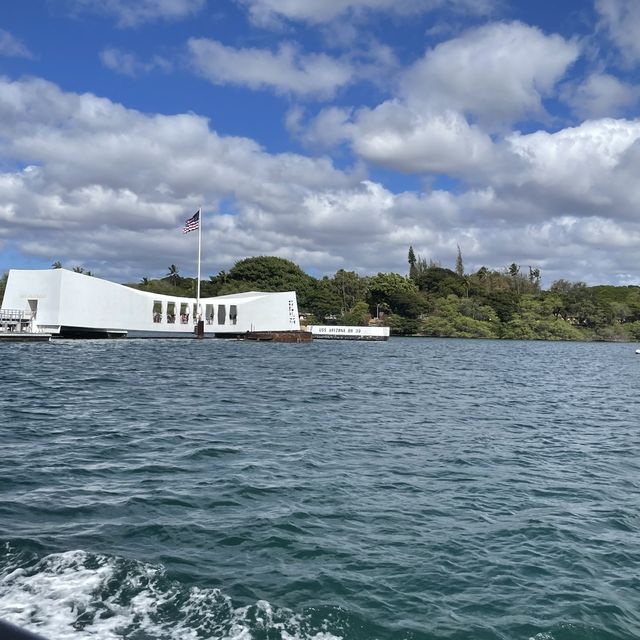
{"type": "Point", "coordinates": [431, 300]}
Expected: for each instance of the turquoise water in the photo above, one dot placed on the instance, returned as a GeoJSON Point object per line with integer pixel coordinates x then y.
{"type": "Point", "coordinates": [414, 489]}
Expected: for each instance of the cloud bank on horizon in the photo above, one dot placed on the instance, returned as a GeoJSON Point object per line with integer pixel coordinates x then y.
{"type": "Point", "coordinates": [334, 134]}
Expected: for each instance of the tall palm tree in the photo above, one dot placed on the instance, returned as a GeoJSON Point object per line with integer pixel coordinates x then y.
{"type": "Point", "coordinates": [173, 275]}
{"type": "Point", "coordinates": [57, 265]}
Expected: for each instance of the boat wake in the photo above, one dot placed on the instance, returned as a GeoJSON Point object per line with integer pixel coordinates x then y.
{"type": "Point", "coordinates": [76, 595]}
{"type": "Point", "coordinates": [81, 596]}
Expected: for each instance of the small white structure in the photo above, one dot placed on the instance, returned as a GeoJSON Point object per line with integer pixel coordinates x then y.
{"type": "Point", "coordinates": [330, 332]}
{"type": "Point", "coordinates": [16, 325]}
{"type": "Point", "coordinates": [66, 303]}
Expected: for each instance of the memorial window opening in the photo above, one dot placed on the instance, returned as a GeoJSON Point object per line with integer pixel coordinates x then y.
{"type": "Point", "coordinates": [157, 311]}
{"type": "Point", "coordinates": [184, 313]}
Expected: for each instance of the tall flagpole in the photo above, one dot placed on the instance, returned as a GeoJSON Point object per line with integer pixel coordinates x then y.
{"type": "Point", "coordinates": [198, 314]}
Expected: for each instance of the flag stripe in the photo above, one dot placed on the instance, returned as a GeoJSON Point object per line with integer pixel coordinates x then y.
{"type": "Point", "coordinates": [192, 223]}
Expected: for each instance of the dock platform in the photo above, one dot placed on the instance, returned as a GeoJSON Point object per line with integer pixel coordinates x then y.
{"type": "Point", "coordinates": [277, 336]}
{"type": "Point", "coordinates": [19, 326]}
{"type": "Point", "coordinates": [23, 336]}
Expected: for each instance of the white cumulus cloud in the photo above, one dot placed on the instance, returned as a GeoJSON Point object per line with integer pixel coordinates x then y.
{"type": "Point", "coordinates": [600, 95]}
{"type": "Point", "coordinates": [455, 103]}
{"type": "Point", "coordinates": [286, 70]}
{"type": "Point", "coordinates": [621, 20]}
{"type": "Point", "coordinates": [497, 73]}
{"type": "Point", "coordinates": [330, 127]}
{"type": "Point", "coordinates": [439, 142]}
{"type": "Point", "coordinates": [584, 168]}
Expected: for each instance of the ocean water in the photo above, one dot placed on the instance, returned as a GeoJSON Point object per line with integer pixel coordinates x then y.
{"type": "Point", "coordinates": [418, 489]}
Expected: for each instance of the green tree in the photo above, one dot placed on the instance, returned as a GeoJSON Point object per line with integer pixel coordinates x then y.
{"type": "Point", "coordinates": [323, 301]}
{"type": "Point", "coordinates": [503, 302]}
{"type": "Point", "coordinates": [513, 270]}
{"type": "Point", "coordinates": [474, 308]}
{"type": "Point", "coordinates": [624, 302]}
{"type": "Point", "coordinates": [447, 320]}
{"type": "Point", "coordinates": [385, 288]}
{"type": "Point", "coordinates": [269, 273]}
{"type": "Point", "coordinates": [578, 305]}
{"type": "Point", "coordinates": [86, 272]}
{"type": "Point", "coordinates": [459, 264]}
{"type": "Point", "coordinates": [173, 276]}
{"type": "Point", "coordinates": [212, 287]}
{"type": "Point", "coordinates": [3, 285]}
{"type": "Point", "coordinates": [421, 267]}
{"type": "Point", "coordinates": [441, 282]}
{"type": "Point", "coordinates": [57, 265]}
{"type": "Point", "coordinates": [480, 282]}
{"type": "Point", "coordinates": [534, 277]}
{"type": "Point", "coordinates": [401, 326]}
{"type": "Point", "coordinates": [633, 302]}
{"type": "Point", "coordinates": [632, 330]}
{"type": "Point", "coordinates": [358, 316]}
{"type": "Point", "coordinates": [482, 273]}
{"type": "Point", "coordinates": [412, 262]}
{"type": "Point", "coordinates": [562, 287]}
{"type": "Point", "coordinates": [349, 287]}
{"type": "Point", "coordinates": [534, 320]}
{"type": "Point", "coordinates": [409, 304]}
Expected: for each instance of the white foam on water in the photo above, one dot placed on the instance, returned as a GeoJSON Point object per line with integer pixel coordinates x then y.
{"type": "Point", "coordinates": [265, 618]}
{"type": "Point", "coordinates": [78, 596]}
{"type": "Point", "coordinates": [51, 599]}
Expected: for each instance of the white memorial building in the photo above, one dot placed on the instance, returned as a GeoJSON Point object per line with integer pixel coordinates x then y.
{"type": "Point", "coordinates": [66, 303]}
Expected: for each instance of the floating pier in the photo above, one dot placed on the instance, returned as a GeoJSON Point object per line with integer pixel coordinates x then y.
{"type": "Point", "coordinates": [277, 336]}
{"type": "Point", "coordinates": [24, 337]}
{"type": "Point", "coordinates": [331, 332]}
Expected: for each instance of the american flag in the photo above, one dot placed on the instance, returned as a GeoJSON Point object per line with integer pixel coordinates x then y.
{"type": "Point", "coordinates": [192, 223]}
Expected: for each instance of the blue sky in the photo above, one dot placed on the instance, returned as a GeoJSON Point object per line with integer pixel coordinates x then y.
{"type": "Point", "coordinates": [332, 132]}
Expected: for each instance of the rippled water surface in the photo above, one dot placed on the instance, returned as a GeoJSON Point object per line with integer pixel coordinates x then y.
{"type": "Point", "coordinates": [415, 489]}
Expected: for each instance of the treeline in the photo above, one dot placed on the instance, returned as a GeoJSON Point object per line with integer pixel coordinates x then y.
{"type": "Point", "coordinates": [432, 300]}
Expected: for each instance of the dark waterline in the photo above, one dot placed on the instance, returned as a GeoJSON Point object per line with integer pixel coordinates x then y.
{"type": "Point", "coordinates": [409, 489]}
